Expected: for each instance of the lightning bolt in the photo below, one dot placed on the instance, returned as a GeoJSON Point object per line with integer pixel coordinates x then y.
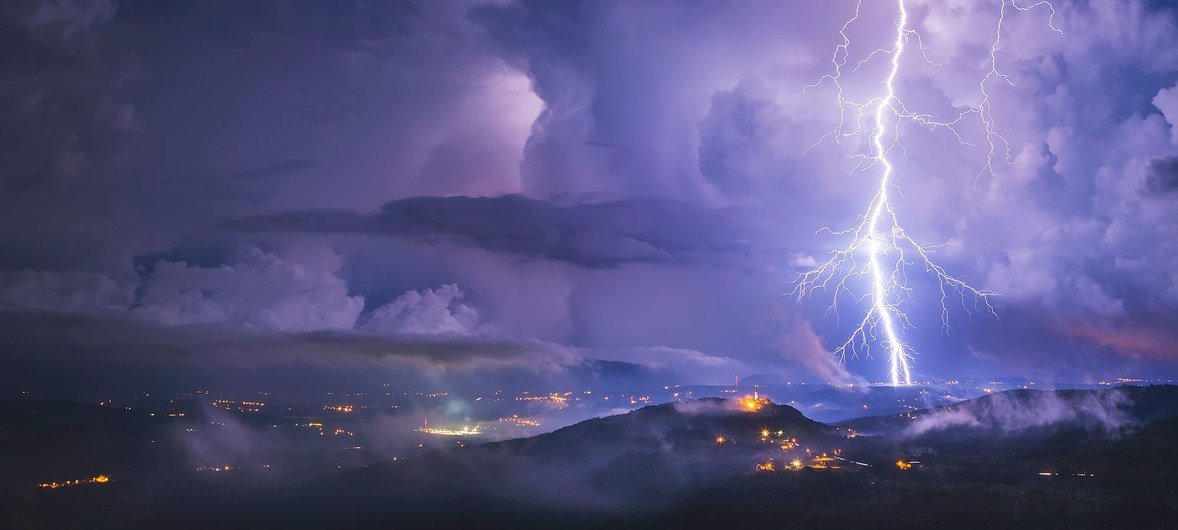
{"type": "Point", "coordinates": [879, 247]}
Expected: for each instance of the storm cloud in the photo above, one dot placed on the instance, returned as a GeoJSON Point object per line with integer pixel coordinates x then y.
{"type": "Point", "coordinates": [622, 180]}
{"type": "Point", "coordinates": [1161, 177]}
{"type": "Point", "coordinates": [599, 234]}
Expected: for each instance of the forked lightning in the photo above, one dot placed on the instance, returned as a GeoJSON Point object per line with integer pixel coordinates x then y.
{"type": "Point", "coordinates": [880, 248]}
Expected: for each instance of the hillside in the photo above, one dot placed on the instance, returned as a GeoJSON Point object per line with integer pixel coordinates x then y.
{"type": "Point", "coordinates": [1068, 459]}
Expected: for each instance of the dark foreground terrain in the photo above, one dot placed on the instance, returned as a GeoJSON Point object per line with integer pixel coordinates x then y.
{"type": "Point", "coordinates": [1017, 459]}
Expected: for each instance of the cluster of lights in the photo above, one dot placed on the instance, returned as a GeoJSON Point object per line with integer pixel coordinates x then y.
{"type": "Point", "coordinates": [823, 461]}
{"type": "Point", "coordinates": [252, 407]}
{"type": "Point", "coordinates": [789, 446]}
{"type": "Point", "coordinates": [514, 419]}
{"type": "Point", "coordinates": [97, 479]}
{"type": "Point", "coordinates": [753, 403]}
{"type": "Point", "coordinates": [466, 430]}
{"type": "Point", "coordinates": [1056, 474]}
{"type": "Point", "coordinates": [560, 400]}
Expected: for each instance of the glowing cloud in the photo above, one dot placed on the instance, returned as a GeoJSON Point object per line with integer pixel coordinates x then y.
{"type": "Point", "coordinates": [880, 248]}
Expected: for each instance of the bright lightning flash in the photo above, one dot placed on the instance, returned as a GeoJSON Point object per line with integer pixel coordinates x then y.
{"type": "Point", "coordinates": [890, 252]}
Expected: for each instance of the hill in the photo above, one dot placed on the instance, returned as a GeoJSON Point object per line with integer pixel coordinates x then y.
{"type": "Point", "coordinates": [1067, 459]}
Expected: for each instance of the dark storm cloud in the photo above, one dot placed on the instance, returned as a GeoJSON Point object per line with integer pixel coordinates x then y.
{"type": "Point", "coordinates": [542, 130]}
{"type": "Point", "coordinates": [1161, 176]}
{"type": "Point", "coordinates": [731, 126]}
{"type": "Point", "coordinates": [136, 125]}
{"type": "Point", "coordinates": [74, 353]}
{"type": "Point", "coordinates": [60, 84]}
{"type": "Point", "coordinates": [601, 234]}
{"type": "Point", "coordinates": [67, 120]}
{"type": "Point", "coordinates": [115, 338]}
{"type": "Point", "coordinates": [276, 169]}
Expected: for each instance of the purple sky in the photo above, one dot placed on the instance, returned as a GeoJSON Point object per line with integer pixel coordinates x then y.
{"type": "Point", "coordinates": [462, 189]}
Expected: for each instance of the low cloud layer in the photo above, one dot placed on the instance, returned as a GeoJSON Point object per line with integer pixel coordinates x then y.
{"type": "Point", "coordinates": [1013, 411]}
{"type": "Point", "coordinates": [254, 289]}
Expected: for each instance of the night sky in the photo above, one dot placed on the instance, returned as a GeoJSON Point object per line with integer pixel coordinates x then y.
{"type": "Point", "coordinates": [504, 192]}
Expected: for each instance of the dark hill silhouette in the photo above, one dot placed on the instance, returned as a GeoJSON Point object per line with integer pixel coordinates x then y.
{"type": "Point", "coordinates": [640, 462]}
{"type": "Point", "coordinates": [660, 466]}
{"type": "Point", "coordinates": [1034, 459]}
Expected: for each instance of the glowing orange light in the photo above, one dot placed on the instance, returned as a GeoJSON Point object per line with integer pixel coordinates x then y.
{"type": "Point", "coordinates": [99, 479]}
{"type": "Point", "coordinates": [466, 430]}
{"type": "Point", "coordinates": [903, 465]}
{"type": "Point", "coordinates": [753, 403]}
